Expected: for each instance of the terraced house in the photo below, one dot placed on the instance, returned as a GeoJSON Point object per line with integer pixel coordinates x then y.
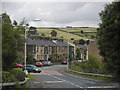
{"type": "Point", "coordinates": [49, 49]}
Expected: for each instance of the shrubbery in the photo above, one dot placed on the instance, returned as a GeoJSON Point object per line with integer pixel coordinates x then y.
{"type": "Point", "coordinates": [91, 66]}
{"type": "Point", "coordinates": [19, 75]}
{"type": "Point", "coordinates": [8, 77]}
{"type": "Point", "coordinates": [13, 76]}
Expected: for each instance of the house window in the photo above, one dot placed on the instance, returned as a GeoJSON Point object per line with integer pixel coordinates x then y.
{"type": "Point", "coordinates": [37, 57]}
{"type": "Point", "coordinates": [46, 50]}
{"type": "Point", "coordinates": [52, 49]}
{"type": "Point", "coordinates": [37, 49]}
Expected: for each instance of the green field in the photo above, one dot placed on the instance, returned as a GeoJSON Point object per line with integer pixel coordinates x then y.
{"type": "Point", "coordinates": [79, 29]}
{"type": "Point", "coordinates": [74, 33]}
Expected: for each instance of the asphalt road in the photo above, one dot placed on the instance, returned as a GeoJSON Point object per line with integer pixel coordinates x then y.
{"type": "Point", "coordinates": [54, 77]}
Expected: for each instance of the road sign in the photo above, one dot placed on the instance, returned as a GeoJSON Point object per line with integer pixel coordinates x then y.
{"type": "Point", "coordinates": [68, 59]}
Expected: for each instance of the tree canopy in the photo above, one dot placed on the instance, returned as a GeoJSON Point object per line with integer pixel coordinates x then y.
{"type": "Point", "coordinates": [87, 42]}
{"type": "Point", "coordinates": [108, 37]}
{"type": "Point", "coordinates": [53, 33]}
{"type": "Point", "coordinates": [15, 23]}
{"type": "Point", "coordinates": [11, 43]}
{"type": "Point", "coordinates": [78, 56]}
{"type": "Point", "coordinates": [81, 42]}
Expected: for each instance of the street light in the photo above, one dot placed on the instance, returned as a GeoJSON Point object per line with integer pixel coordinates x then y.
{"type": "Point", "coordinates": [25, 38]}
{"type": "Point", "coordinates": [37, 20]}
{"type": "Point", "coordinates": [68, 47]}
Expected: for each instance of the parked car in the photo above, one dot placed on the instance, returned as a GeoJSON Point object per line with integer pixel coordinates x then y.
{"type": "Point", "coordinates": [50, 63]}
{"type": "Point", "coordinates": [64, 62]}
{"type": "Point", "coordinates": [32, 68]}
{"type": "Point", "coordinates": [79, 61]}
{"type": "Point", "coordinates": [38, 64]}
{"type": "Point", "coordinates": [73, 62]}
{"type": "Point", "coordinates": [18, 65]}
{"type": "Point", "coordinates": [47, 63]}
{"type": "Point", "coordinates": [44, 63]}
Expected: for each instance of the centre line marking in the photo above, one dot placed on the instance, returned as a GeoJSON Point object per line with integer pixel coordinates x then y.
{"type": "Point", "coordinates": [65, 81]}
{"type": "Point", "coordinates": [53, 81]}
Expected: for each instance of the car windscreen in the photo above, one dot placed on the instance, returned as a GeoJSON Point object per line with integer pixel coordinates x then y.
{"type": "Point", "coordinates": [34, 66]}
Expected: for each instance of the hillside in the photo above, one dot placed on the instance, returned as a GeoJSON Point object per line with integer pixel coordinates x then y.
{"type": "Point", "coordinates": [75, 33]}
{"type": "Point", "coordinates": [93, 50]}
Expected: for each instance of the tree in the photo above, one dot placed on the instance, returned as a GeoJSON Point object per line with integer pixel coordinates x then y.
{"type": "Point", "coordinates": [22, 22]}
{"type": "Point", "coordinates": [81, 31]}
{"type": "Point", "coordinates": [32, 30]}
{"type": "Point", "coordinates": [15, 23]}
{"type": "Point", "coordinates": [78, 56]}
{"type": "Point", "coordinates": [87, 42]}
{"type": "Point", "coordinates": [81, 41]}
{"type": "Point", "coordinates": [30, 59]}
{"type": "Point", "coordinates": [108, 37]}
{"type": "Point", "coordinates": [53, 33]}
{"type": "Point", "coordinates": [43, 35]}
{"type": "Point", "coordinates": [70, 58]}
{"type": "Point", "coordinates": [72, 38]}
{"type": "Point", "coordinates": [92, 36]}
{"type": "Point", "coordinates": [11, 43]}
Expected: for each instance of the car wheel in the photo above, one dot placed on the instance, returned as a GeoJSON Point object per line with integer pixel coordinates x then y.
{"type": "Point", "coordinates": [34, 71]}
{"type": "Point", "coordinates": [39, 71]}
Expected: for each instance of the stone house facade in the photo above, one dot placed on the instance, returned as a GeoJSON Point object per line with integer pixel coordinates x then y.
{"type": "Point", "coordinates": [84, 51]}
{"type": "Point", "coordinates": [48, 49]}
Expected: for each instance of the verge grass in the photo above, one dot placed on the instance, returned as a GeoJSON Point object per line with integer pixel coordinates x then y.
{"type": "Point", "coordinates": [92, 77]}
{"type": "Point", "coordinates": [31, 77]}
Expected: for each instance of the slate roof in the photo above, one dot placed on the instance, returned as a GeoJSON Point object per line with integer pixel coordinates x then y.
{"type": "Point", "coordinates": [45, 42]}
{"type": "Point", "coordinates": [82, 47]}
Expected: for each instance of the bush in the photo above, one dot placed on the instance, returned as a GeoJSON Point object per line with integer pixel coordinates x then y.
{"type": "Point", "coordinates": [19, 75]}
{"type": "Point", "coordinates": [81, 42]}
{"type": "Point", "coordinates": [84, 67]}
{"type": "Point", "coordinates": [30, 59]}
{"type": "Point", "coordinates": [13, 76]}
{"type": "Point", "coordinates": [7, 77]}
{"type": "Point", "coordinates": [91, 66]}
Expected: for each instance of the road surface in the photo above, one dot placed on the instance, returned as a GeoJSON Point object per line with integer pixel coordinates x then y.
{"type": "Point", "coordinates": [54, 77]}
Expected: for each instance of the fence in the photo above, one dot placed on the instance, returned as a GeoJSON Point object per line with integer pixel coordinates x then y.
{"type": "Point", "coordinates": [101, 75]}
{"type": "Point", "coordinates": [13, 83]}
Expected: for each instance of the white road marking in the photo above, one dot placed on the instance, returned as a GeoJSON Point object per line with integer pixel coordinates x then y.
{"type": "Point", "coordinates": [102, 87]}
{"type": "Point", "coordinates": [65, 81]}
{"type": "Point", "coordinates": [53, 81]}
{"type": "Point", "coordinates": [36, 82]}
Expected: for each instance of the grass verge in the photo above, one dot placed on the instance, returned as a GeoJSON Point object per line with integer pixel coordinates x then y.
{"type": "Point", "coordinates": [26, 85]}
{"type": "Point", "coordinates": [31, 77]}
{"type": "Point", "coordinates": [92, 77]}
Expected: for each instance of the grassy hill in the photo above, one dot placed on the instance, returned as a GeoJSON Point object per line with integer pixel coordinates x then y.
{"type": "Point", "coordinates": [93, 50]}
{"type": "Point", "coordinates": [74, 33]}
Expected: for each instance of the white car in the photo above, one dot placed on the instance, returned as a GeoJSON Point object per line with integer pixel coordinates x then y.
{"type": "Point", "coordinates": [79, 61]}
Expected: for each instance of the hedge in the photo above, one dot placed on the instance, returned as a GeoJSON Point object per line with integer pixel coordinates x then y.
{"type": "Point", "coordinates": [13, 76]}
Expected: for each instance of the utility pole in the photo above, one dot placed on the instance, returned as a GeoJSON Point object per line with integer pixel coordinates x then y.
{"type": "Point", "coordinates": [25, 56]}
{"type": "Point", "coordinates": [68, 47]}
{"type": "Point", "coordinates": [25, 45]}
{"type": "Point", "coordinates": [87, 52]}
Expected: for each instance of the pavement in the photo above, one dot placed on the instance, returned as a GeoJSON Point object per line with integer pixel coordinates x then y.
{"type": "Point", "coordinates": [55, 77]}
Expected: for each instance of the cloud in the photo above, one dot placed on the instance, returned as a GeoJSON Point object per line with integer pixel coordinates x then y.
{"type": "Point", "coordinates": [54, 13]}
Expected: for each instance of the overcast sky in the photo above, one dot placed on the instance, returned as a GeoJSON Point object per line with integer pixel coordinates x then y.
{"type": "Point", "coordinates": [57, 14]}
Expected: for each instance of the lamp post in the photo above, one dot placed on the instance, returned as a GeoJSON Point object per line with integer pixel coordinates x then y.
{"type": "Point", "coordinates": [68, 27]}
{"type": "Point", "coordinates": [25, 45]}
{"type": "Point", "coordinates": [87, 52]}
{"type": "Point", "coordinates": [25, 38]}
